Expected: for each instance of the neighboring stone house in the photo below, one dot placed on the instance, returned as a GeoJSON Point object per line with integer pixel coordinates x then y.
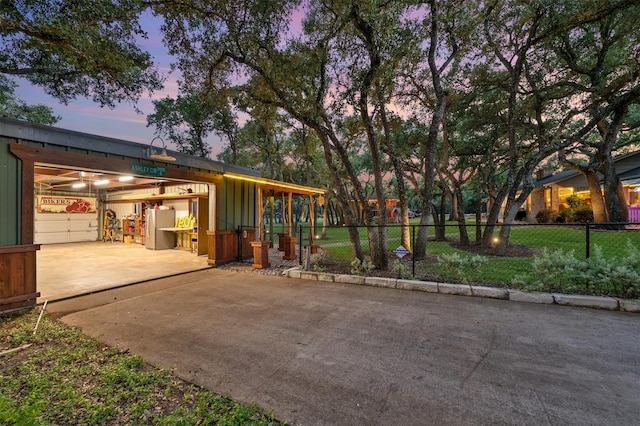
{"type": "Point", "coordinates": [551, 192]}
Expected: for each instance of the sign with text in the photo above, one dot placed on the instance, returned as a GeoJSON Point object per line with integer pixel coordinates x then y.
{"type": "Point", "coordinates": [52, 204]}
{"type": "Point", "coordinates": [401, 252]}
{"type": "Point", "coordinates": [145, 169]}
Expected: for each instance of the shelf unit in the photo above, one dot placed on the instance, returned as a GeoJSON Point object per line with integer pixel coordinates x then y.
{"type": "Point", "coordinates": [133, 228]}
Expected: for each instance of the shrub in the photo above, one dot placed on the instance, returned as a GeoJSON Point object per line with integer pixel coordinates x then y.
{"type": "Point", "coordinates": [551, 270]}
{"type": "Point", "coordinates": [362, 267]}
{"type": "Point", "coordinates": [583, 214]}
{"type": "Point", "coordinates": [565, 216]}
{"type": "Point", "coordinates": [558, 269]}
{"type": "Point", "coordinates": [546, 216]}
{"type": "Point", "coordinates": [319, 259]}
{"type": "Point", "coordinates": [465, 268]}
{"type": "Point", "coordinates": [401, 269]}
{"type": "Point", "coordinates": [574, 201]}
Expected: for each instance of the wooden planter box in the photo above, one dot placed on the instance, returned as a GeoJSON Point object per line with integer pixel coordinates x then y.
{"type": "Point", "coordinates": [290, 248]}
{"type": "Point", "coordinates": [260, 254]}
{"type": "Point", "coordinates": [223, 246]}
{"type": "Point", "coordinates": [314, 248]}
{"type": "Point", "coordinates": [283, 238]}
{"type": "Point", "coordinates": [18, 277]}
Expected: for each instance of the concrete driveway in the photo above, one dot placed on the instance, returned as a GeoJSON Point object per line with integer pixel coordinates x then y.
{"type": "Point", "coordinates": [324, 354]}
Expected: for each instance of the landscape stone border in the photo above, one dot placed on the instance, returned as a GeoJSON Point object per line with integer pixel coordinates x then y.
{"type": "Point", "coordinates": [595, 302]}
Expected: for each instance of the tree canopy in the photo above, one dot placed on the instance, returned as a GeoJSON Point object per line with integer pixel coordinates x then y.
{"type": "Point", "coordinates": [78, 48]}
{"type": "Point", "coordinates": [394, 97]}
{"type": "Point", "coordinates": [13, 107]}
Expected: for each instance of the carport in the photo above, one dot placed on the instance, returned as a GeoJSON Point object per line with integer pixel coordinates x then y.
{"type": "Point", "coordinates": [61, 186]}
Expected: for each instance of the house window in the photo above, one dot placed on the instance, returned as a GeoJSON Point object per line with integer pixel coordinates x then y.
{"type": "Point", "coordinates": [547, 198]}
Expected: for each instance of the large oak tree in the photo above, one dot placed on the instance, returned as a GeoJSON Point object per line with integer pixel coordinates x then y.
{"type": "Point", "coordinates": [78, 48]}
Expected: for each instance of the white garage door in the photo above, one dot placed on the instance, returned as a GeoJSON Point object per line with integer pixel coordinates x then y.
{"type": "Point", "coordinates": [66, 228]}
{"type": "Point", "coordinates": [57, 223]}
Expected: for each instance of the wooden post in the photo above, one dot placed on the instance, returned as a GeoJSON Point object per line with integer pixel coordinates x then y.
{"type": "Point", "coordinates": [282, 215]}
{"type": "Point", "coordinates": [260, 215]}
{"type": "Point", "coordinates": [260, 254]}
{"type": "Point", "coordinates": [271, 215]}
{"type": "Point", "coordinates": [313, 248]}
{"type": "Point", "coordinates": [311, 221]}
{"type": "Point", "coordinates": [290, 215]}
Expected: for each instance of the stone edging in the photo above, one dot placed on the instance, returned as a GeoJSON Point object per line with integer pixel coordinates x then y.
{"type": "Point", "coordinates": [596, 302]}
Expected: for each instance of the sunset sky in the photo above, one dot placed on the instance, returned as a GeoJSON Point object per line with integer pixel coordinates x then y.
{"type": "Point", "coordinates": [122, 122]}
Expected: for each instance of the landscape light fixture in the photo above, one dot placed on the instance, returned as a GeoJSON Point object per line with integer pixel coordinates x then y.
{"type": "Point", "coordinates": [158, 153]}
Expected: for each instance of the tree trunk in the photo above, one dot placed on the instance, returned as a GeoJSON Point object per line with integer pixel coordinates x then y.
{"type": "Point", "coordinates": [440, 217]}
{"type": "Point", "coordinates": [622, 201]}
{"type": "Point", "coordinates": [462, 226]}
{"type": "Point", "coordinates": [597, 202]}
{"type": "Point", "coordinates": [611, 200]}
{"type": "Point", "coordinates": [453, 214]}
{"type": "Point", "coordinates": [510, 212]}
{"type": "Point", "coordinates": [492, 220]}
{"type": "Point", "coordinates": [479, 218]}
{"type": "Point", "coordinates": [437, 228]}
{"type": "Point", "coordinates": [405, 237]}
{"type": "Point", "coordinates": [420, 249]}
{"type": "Point", "coordinates": [330, 144]}
{"type": "Point", "coordinates": [325, 219]}
{"type": "Point", "coordinates": [432, 137]}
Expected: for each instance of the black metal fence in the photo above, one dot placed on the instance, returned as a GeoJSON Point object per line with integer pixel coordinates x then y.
{"type": "Point", "coordinates": [610, 242]}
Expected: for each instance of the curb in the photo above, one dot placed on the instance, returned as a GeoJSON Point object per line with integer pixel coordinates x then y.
{"type": "Point", "coordinates": [593, 302]}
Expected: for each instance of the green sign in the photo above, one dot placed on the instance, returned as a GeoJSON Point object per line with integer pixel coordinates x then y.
{"type": "Point", "coordinates": [144, 169]}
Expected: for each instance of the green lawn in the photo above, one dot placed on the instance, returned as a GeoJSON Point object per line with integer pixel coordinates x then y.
{"type": "Point", "coordinates": [60, 376]}
{"type": "Point", "coordinates": [499, 269]}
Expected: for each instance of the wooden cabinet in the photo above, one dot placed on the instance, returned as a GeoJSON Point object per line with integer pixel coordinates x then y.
{"type": "Point", "coordinates": [134, 229]}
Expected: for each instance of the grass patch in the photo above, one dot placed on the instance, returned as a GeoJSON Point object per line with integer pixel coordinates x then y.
{"type": "Point", "coordinates": [602, 275]}
{"type": "Point", "coordinates": [65, 377]}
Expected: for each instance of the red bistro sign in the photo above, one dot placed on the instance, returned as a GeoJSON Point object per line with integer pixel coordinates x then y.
{"type": "Point", "coordinates": [51, 204]}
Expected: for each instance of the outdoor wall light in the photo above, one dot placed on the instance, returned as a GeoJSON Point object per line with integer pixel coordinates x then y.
{"type": "Point", "coordinates": [158, 153]}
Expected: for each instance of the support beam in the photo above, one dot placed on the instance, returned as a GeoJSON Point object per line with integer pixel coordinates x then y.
{"type": "Point", "coordinates": [272, 204]}
{"type": "Point", "coordinates": [282, 218]}
{"type": "Point", "coordinates": [290, 215]}
{"type": "Point", "coordinates": [213, 207]}
{"type": "Point", "coordinates": [260, 215]}
{"type": "Point", "coordinates": [28, 219]}
{"type": "Point", "coordinates": [311, 221]}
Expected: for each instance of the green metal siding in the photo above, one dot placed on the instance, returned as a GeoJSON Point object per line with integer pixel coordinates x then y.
{"type": "Point", "coordinates": [10, 195]}
{"type": "Point", "coordinates": [236, 204]}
